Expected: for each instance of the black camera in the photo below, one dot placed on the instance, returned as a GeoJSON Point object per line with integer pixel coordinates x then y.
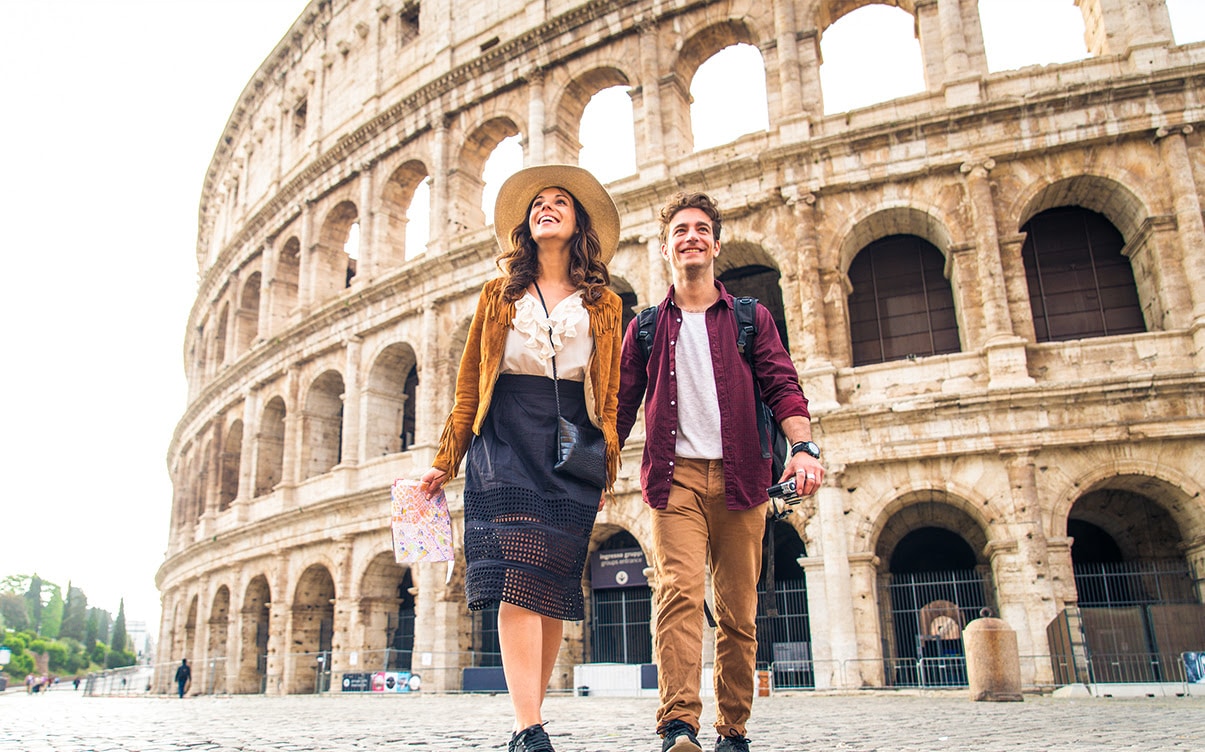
{"type": "Point", "coordinates": [787, 493]}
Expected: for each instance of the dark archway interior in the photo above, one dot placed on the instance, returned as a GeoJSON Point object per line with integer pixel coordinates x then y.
{"type": "Point", "coordinates": [931, 549]}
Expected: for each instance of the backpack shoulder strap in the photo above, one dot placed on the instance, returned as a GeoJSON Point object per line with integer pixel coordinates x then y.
{"type": "Point", "coordinates": [745, 309]}
{"type": "Point", "coordinates": [646, 327]}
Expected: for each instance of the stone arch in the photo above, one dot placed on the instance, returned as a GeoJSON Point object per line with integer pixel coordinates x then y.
{"type": "Point", "coordinates": [619, 610]}
{"type": "Point", "coordinates": [698, 46]}
{"type": "Point", "coordinates": [956, 509]}
{"type": "Point", "coordinates": [388, 600]}
{"type": "Point", "coordinates": [334, 269]}
{"type": "Point", "coordinates": [322, 424]}
{"type": "Point", "coordinates": [392, 216]}
{"type": "Point", "coordinates": [748, 269]}
{"type": "Point", "coordinates": [882, 220]}
{"type": "Point", "coordinates": [246, 325]}
{"type": "Point", "coordinates": [828, 12]}
{"type": "Point", "coordinates": [1103, 194]}
{"type": "Point", "coordinates": [1172, 489]}
{"type": "Point", "coordinates": [628, 298]}
{"type": "Point", "coordinates": [286, 283]}
{"type": "Point", "coordinates": [219, 337]}
{"type": "Point", "coordinates": [313, 609]}
{"type": "Point", "coordinates": [189, 648]}
{"type": "Point", "coordinates": [254, 629]}
{"type": "Point", "coordinates": [270, 446]}
{"type": "Point", "coordinates": [219, 633]}
{"type": "Point", "coordinates": [571, 102]}
{"type": "Point", "coordinates": [387, 403]}
{"type": "Point", "coordinates": [467, 183]}
{"type": "Point", "coordinates": [232, 455]}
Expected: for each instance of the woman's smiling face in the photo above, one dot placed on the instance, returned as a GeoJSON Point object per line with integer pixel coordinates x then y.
{"type": "Point", "coordinates": [552, 216]}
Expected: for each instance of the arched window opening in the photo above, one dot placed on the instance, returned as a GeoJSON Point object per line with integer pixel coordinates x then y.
{"type": "Point", "coordinates": [387, 605]}
{"type": "Point", "coordinates": [1080, 283]}
{"type": "Point", "coordinates": [505, 160]}
{"type": "Point", "coordinates": [323, 424]}
{"type": "Point", "coordinates": [728, 96]}
{"type": "Point", "coordinates": [232, 453]}
{"type": "Point", "coordinates": [254, 618]}
{"type": "Point", "coordinates": [620, 602]}
{"type": "Point", "coordinates": [219, 340]}
{"type": "Point", "coordinates": [219, 621]}
{"type": "Point", "coordinates": [312, 631]}
{"type": "Point", "coordinates": [784, 635]}
{"type": "Point", "coordinates": [761, 282]}
{"type": "Point", "coordinates": [351, 247]}
{"type": "Point", "coordinates": [286, 290]}
{"type": "Point", "coordinates": [410, 394]}
{"type": "Point", "coordinates": [608, 135]}
{"type": "Point", "coordinates": [335, 268]}
{"type": "Point", "coordinates": [270, 449]}
{"type": "Point", "coordinates": [1188, 20]}
{"type": "Point", "coordinates": [845, 78]}
{"type": "Point", "coordinates": [418, 220]}
{"type": "Point", "coordinates": [1137, 602]}
{"type": "Point", "coordinates": [901, 305]}
{"type": "Point", "coordinates": [401, 628]}
{"type": "Point", "coordinates": [247, 320]}
{"type": "Point", "coordinates": [1017, 33]}
{"type": "Point", "coordinates": [936, 587]}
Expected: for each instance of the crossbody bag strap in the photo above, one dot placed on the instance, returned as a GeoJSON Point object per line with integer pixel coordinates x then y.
{"type": "Point", "coordinates": [556, 390]}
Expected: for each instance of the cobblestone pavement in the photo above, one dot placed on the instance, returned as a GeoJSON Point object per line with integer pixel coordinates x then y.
{"type": "Point", "coordinates": [65, 721]}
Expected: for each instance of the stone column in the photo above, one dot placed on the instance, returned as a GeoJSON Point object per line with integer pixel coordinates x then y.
{"type": "Point", "coordinates": [366, 264]}
{"type": "Point", "coordinates": [280, 670]}
{"type": "Point", "coordinates": [431, 408]}
{"type": "Point", "coordinates": [305, 262]}
{"type": "Point", "coordinates": [1004, 350]}
{"type": "Point", "coordinates": [806, 320]}
{"type": "Point", "coordinates": [535, 117]}
{"type": "Point", "coordinates": [949, 13]}
{"type": "Point", "coordinates": [346, 603]}
{"type": "Point", "coordinates": [439, 224]}
{"type": "Point", "coordinates": [651, 159]}
{"type": "Point", "coordinates": [290, 466]}
{"type": "Point", "coordinates": [839, 647]}
{"type": "Point", "coordinates": [659, 276]}
{"type": "Point", "coordinates": [350, 451]}
{"type": "Point", "coordinates": [1173, 148]}
{"type": "Point", "coordinates": [246, 463]}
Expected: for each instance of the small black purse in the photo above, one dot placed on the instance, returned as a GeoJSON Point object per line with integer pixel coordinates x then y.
{"type": "Point", "coordinates": [581, 450]}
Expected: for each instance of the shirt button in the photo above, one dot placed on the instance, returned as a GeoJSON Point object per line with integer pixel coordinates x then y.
{"type": "Point", "coordinates": [671, 373]}
{"type": "Point", "coordinates": [671, 463]}
{"type": "Point", "coordinates": [672, 341]}
{"type": "Point", "coordinates": [673, 433]}
{"type": "Point", "coordinates": [672, 403]}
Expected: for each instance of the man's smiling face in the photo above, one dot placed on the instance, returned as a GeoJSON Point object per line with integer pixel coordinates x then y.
{"type": "Point", "coordinates": [690, 245]}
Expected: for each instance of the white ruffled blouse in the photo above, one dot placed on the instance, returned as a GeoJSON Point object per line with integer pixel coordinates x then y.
{"type": "Point", "coordinates": [528, 349]}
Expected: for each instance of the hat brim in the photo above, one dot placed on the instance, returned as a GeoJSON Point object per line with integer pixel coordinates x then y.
{"type": "Point", "coordinates": [516, 194]}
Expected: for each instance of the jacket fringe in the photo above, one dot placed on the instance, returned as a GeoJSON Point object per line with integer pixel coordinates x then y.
{"type": "Point", "coordinates": [448, 442]}
{"type": "Point", "coordinates": [604, 318]}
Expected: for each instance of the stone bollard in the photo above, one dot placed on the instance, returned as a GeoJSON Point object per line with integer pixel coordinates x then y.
{"type": "Point", "coordinates": [993, 662]}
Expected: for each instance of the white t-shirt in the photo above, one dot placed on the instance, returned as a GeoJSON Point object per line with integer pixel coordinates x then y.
{"type": "Point", "coordinates": [698, 404]}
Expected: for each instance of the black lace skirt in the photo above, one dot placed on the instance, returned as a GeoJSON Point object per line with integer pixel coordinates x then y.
{"type": "Point", "coordinates": [526, 528]}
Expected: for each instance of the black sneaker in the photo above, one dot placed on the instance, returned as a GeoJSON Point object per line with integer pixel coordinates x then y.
{"type": "Point", "coordinates": [678, 736]}
{"type": "Point", "coordinates": [531, 739]}
{"type": "Point", "coordinates": [735, 743]}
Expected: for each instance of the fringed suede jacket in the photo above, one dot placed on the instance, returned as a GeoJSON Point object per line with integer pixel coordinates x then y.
{"type": "Point", "coordinates": [483, 357]}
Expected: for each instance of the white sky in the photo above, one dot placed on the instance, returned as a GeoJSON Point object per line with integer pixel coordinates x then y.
{"type": "Point", "coordinates": [111, 113]}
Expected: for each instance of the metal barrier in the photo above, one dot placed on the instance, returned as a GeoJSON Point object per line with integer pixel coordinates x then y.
{"type": "Point", "coordinates": [130, 681]}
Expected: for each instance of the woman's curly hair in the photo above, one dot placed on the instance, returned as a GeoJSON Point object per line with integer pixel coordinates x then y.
{"type": "Point", "coordinates": [586, 270]}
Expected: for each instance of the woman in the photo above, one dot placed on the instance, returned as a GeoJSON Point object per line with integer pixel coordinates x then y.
{"type": "Point", "coordinates": [527, 527]}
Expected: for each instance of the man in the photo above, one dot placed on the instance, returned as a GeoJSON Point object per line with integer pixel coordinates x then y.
{"type": "Point", "coordinates": [703, 473]}
{"type": "Point", "coordinates": [183, 675]}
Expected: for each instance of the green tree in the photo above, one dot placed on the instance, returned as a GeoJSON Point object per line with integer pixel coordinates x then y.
{"type": "Point", "coordinates": [75, 614]}
{"type": "Point", "coordinates": [13, 608]}
{"type": "Point", "coordinates": [52, 615]}
{"type": "Point", "coordinates": [97, 653]}
{"type": "Point", "coordinates": [104, 620]}
{"type": "Point", "coordinates": [33, 603]}
{"type": "Point", "coordinates": [120, 638]}
{"type": "Point", "coordinates": [91, 628]}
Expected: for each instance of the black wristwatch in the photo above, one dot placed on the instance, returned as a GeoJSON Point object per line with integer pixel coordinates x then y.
{"type": "Point", "coordinates": [805, 446]}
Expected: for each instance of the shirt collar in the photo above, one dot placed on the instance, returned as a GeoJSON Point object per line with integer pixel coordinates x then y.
{"type": "Point", "coordinates": [725, 297]}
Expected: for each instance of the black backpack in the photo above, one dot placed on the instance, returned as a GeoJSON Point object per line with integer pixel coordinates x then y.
{"type": "Point", "coordinates": [774, 445]}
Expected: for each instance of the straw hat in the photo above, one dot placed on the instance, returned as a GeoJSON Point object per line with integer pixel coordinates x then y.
{"type": "Point", "coordinates": [516, 194]}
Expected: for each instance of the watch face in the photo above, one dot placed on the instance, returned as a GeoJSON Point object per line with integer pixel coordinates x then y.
{"type": "Point", "coordinates": [809, 447]}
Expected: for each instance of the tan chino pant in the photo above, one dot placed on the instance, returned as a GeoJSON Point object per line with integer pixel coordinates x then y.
{"type": "Point", "coordinates": [695, 521]}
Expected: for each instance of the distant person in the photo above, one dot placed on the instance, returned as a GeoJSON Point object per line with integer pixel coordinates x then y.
{"type": "Point", "coordinates": [75, 683]}
{"type": "Point", "coordinates": [29, 684]}
{"type": "Point", "coordinates": [183, 676]}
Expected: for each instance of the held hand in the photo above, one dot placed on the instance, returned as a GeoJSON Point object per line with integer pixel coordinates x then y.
{"type": "Point", "coordinates": [807, 472]}
{"type": "Point", "coordinates": [432, 481]}
{"type": "Point", "coordinates": [602, 500]}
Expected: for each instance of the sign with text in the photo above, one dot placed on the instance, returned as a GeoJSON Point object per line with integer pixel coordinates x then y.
{"type": "Point", "coordinates": [620, 568]}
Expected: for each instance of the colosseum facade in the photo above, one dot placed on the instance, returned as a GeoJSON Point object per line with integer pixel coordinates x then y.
{"type": "Point", "coordinates": [993, 289]}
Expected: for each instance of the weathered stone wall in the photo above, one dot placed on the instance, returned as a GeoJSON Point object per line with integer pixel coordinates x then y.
{"type": "Point", "coordinates": [284, 455]}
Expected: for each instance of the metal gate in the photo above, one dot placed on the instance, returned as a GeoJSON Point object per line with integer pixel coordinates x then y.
{"type": "Point", "coordinates": [619, 626]}
{"type": "Point", "coordinates": [784, 637]}
{"type": "Point", "coordinates": [928, 612]}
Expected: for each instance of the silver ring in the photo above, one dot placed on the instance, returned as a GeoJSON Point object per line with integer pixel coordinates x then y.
{"type": "Point", "coordinates": [811, 477]}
